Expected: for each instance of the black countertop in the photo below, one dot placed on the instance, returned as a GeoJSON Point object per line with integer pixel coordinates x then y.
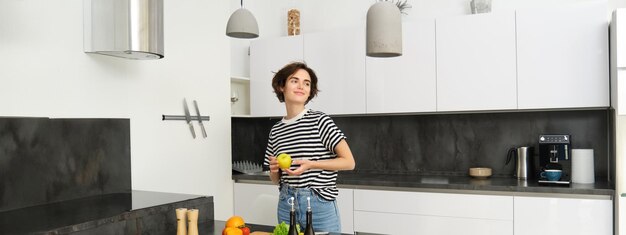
{"type": "Point", "coordinates": [96, 212]}
{"type": "Point", "coordinates": [453, 182]}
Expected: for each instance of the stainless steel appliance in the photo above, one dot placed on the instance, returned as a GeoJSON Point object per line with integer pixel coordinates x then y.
{"type": "Point", "coordinates": [523, 161]}
{"type": "Point", "coordinates": [555, 153]}
{"type": "Point", "coordinates": [124, 28]}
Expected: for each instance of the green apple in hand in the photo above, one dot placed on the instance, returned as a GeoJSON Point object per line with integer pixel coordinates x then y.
{"type": "Point", "coordinates": [284, 161]}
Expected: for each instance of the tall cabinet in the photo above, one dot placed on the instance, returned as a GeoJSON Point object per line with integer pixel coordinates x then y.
{"type": "Point", "coordinates": [476, 62]}
{"type": "Point", "coordinates": [562, 56]}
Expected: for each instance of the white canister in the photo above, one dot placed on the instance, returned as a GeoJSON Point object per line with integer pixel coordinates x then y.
{"type": "Point", "coordinates": [582, 166]}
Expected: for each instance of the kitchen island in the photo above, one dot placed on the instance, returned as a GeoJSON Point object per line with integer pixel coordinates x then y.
{"type": "Point", "coordinates": [135, 212]}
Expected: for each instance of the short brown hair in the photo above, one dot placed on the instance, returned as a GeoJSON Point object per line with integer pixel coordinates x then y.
{"type": "Point", "coordinates": [280, 78]}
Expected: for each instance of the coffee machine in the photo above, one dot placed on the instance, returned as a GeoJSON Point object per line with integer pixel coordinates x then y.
{"type": "Point", "coordinates": [555, 153]}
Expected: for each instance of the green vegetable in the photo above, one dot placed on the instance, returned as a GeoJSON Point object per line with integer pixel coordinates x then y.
{"type": "Point", "coordinates": [283, 229]}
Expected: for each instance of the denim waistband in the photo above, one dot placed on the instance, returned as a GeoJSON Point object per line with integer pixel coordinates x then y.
{"type": "Point", "coordinates": [293, 190]}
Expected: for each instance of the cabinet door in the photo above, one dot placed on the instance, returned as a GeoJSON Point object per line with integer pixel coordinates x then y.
{"type": "Point", "coordinates": [346, 210]}
{"type": "Point", "coordinates": [257, 203]}
{"type": "Point", "coordinates": [267, 56]}
{"type": "Point", "coordinates": [476, 62]}
{"type": "Point", "coordinates": [338, 59]}
{"type": "Point", "coordinates": [618, 61]}
{"type": "Point", "coordinates": [562, 216]}
{"type": "Point", "coordinates": [618, 37]}
{"type": "Point", "coordinates": [390, 223]}
{"type": "Point", "coordinates": [407, 83]}
{"type": "Point", "coordinates": [562, 56]}
{"type": "Point", "coordinates": [396, 212]}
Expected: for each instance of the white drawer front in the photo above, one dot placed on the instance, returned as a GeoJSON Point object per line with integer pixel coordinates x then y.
{"type": "Point", "coordinates": [386, 223]}
{"type": "Point", "coordinates": [437, 204]}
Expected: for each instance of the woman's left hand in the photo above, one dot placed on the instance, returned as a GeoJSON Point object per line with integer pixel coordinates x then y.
{"type": "Point", "coordinates": [304, 166]}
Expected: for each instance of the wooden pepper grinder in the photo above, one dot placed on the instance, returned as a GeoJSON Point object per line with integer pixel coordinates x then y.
{"type": "Point", "coordinates": [181, 220]}
{"type": "Point", "coordinates": [192, 218]}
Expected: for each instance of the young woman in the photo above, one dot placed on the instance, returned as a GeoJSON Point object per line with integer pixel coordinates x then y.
{"type": "Point", "coordinates": [317, 147]}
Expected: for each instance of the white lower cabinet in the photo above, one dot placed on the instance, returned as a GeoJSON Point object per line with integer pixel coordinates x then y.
{"type": "Point", "coordinates": [258, 203]}
{"type": "Point", "coordinates": [546, 215]}
{"type": "Point", "coordinates": [346, 210]}
{"type": "Point", "coordinates": [386, 223]}
{"type": "Point", "coordinates": [395, 212]}
{"type": "Point", "coordinates": [365, 211]}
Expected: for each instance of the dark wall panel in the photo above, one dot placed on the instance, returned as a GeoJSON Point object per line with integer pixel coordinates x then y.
{"type": "Point", "coordinates": [50, 160]}
{"type": "Point", "coordinates": [444, 143]}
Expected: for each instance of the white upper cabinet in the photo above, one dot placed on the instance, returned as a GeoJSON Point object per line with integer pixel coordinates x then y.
{"type": "Point", "coordinates": [407, 83]}
{"type": "Point", "coordinates": [618, 60]}
{"type": "Point", "coordinates": [563, 56]}
{"type": "Point", "coordinates": [618, 37]}
{"type": "Point", "coordinates": [476, 62]}
{"type": "Point", "coordinates": [267, 56]}
{"type": "Point", "coordinates": [338, 59]}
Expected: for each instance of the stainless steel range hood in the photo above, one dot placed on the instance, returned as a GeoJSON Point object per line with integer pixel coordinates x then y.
{"type": "Point", "coordinates": [131, 29]}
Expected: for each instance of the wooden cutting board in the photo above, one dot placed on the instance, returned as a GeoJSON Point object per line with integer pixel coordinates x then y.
{"type": "Point", "coordinates": [260, 233]}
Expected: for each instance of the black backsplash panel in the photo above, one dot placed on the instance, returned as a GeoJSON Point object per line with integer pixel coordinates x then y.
{"type": "Point", "coordinates": [445, 143]}
{"type": "Point", "coordinates": [46, 160]}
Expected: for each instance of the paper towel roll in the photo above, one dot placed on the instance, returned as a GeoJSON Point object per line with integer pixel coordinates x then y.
{"type": "Point", "coordinates": [582, 166]}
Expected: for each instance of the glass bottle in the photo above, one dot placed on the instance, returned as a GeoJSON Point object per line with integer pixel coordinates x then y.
{"type": "Point", "coordinates": [292, 219]}
{"type": "Point", "coordinates": [309, 218]}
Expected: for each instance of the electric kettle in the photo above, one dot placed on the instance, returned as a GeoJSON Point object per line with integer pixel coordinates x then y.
{"type": "Point", "coordinates": [522, 161]}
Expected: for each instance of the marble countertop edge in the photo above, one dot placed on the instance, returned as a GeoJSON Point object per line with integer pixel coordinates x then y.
{"type": "Point", "coordinates": [458, 184]}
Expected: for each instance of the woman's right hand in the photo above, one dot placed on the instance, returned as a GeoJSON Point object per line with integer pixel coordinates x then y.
{"type": "Point", "coordinates": [273, 165]}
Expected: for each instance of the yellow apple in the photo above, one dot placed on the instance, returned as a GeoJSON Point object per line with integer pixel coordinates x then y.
{"type": "Point", "coordinates": [284, 161]}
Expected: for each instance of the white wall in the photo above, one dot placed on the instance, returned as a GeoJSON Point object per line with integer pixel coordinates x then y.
{"type": "Point", "coordinates": [44, 73]}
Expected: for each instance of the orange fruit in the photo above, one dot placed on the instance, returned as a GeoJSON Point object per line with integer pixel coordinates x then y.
{"type": "Point", "coordinates": [235, 222]}
{"type": "Point", "coordinates": [232, 231]}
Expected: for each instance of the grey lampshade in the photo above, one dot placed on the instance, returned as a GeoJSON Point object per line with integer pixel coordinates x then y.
{"type": "Point", "coordinates": [242, 24]}
{"type": "Point", "coordinates": [384, 30]}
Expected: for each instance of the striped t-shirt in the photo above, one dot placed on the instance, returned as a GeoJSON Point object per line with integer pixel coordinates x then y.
{"type": "Point", "coordinates": [310, 135]}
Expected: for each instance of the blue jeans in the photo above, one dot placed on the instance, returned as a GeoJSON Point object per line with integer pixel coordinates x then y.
{"type": "Point", "coordinates": [325, 213]}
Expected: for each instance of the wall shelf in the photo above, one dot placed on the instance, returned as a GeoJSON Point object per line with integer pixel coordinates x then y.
{"type": "Point", "coordinates": [240, 95]}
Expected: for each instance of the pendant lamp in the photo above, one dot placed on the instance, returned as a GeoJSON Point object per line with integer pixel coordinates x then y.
{"type": "Point", "coordinates": [242, 24]}
{"type": "Point", "coordinates": [384, 30]}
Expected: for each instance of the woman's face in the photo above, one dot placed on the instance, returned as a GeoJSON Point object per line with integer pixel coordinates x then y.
{"type": "Point", "coordinates": [298, 87]}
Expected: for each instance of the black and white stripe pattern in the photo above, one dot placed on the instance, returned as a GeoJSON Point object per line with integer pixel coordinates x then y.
{"type": "Point", "coordinates": [313, 137]}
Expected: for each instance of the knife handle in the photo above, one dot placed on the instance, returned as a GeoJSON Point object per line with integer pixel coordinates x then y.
{"type": "Point", "coordinates": [203, 130]}
{"type": "Point", "coordinates": [193, 132]}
